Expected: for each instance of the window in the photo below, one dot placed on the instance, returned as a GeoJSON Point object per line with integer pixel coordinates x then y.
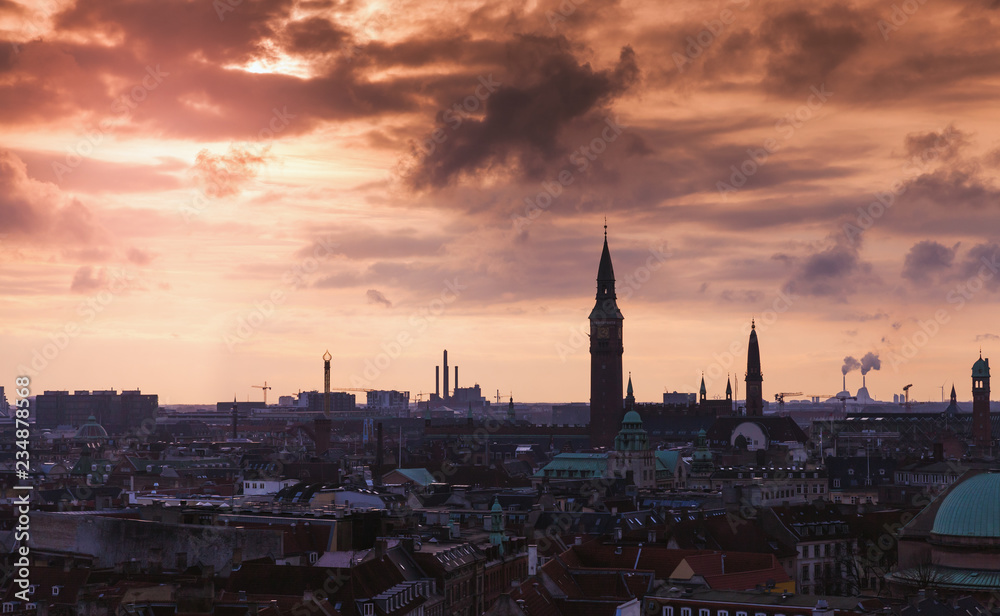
{"type": "Point", "coordinates": [741, 614]}
{"type": "Point", "coordinates": [703, 612]}
{"type": "Point", "coordinates": [722, 613]}
{"type": "Point", "coordinates": [685, 611]}
{"type": "Point", "coordinates": [805, 573]}
{"type": "Point", "coordinates": [668, 610]}
{"type": "Point", "coordinates": [55, 590]}
{"type": "Point", "coordinates": [836, 483]}
{"type": "Point", "coordinates": [369, 609]}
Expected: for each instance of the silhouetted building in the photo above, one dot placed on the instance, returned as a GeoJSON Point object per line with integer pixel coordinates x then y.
{"type": "Point", "coordinates": [118, 413]}
{"type": "Point", "coordinates": [754, 377]}
{"type": "Point", "coordinates": [340, 402]}
{"type": "Point", "coordinates": [388, 402]}
{"type": "Point", "coordinates": [606, 351]}
{"type": "Point", "coordinates": [981, 432]}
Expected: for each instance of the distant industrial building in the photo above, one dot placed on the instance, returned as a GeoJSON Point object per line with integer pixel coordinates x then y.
{"type": "Point", "coordinates": [116, 412]}
{"type": "Point", "coordinates": [388, 402]}
{"type": "Point", "coordinates": [457, 397]}
{"type": "Point", "coordinates": [340, 402]}
{"type": "Point", "coordinates": [674, 398]}
{"type": "Point", "coordinates": [572, 414]}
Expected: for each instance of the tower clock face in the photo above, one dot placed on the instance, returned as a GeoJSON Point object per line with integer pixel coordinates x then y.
{"type": "Point", "coordinates": [602, 332]}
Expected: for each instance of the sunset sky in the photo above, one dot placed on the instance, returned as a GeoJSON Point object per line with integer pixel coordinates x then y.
{"type": "Point", "coordinates": [198, 196]}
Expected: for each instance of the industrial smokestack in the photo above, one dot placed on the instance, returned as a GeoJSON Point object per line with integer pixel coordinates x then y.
{"type": "Point", "coordinates": [378, 452]}
{"type": "Point", "coordinates": [445, 370]}
{"type": "Point", "coordinates": [456, 378]}
{"type": "Point", "coordinates": [236, 414]}
{"type": "Point", "coordinates": [437, 381]}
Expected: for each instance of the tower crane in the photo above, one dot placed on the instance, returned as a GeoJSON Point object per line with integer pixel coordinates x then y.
{"type": "Point", "coordinates": [780, 398]}
{"type": "Point", "coordinates": [265, 387]}
{"type": "Point", "coordinates": [906, 390]}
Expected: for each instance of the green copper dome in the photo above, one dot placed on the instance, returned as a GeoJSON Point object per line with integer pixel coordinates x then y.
{"type": "Point", "coordinates": [972, 509]}
{"type": "Point", "coordinates": [631, 418]}
{"type": "Point", "coordinates": [981, 367]}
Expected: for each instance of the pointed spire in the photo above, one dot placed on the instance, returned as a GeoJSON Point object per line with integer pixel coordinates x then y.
{"type": "Point", "coordinates": [703, 390]}
{"type": "Point", "coordinates": [729, 386]}
{"type": "Point", "coordinates": [606, 306]}
{"type": "Point", "coordinates": [754, 377]}
{"type": "Point", "coordinates": [629, 390]}
{"type": "Point", "coordinates": [954, 396]}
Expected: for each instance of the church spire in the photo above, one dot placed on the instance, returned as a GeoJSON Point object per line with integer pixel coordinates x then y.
{"type": "Point", "coordinates": [629, 394]}
{"type": "Point", "coordinates": [754, 376]}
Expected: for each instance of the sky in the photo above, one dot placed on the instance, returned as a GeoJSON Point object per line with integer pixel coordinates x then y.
{"type": "Point", "coordinates": [200, 196]}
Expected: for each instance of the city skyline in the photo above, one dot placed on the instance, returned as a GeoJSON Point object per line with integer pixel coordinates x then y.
{"type": "Point", "coordinates": [201, 199]}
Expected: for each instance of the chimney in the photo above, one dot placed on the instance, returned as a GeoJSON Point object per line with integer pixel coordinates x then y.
{"type": "Point", "coordinates": [378, 452]}
{"type": "Point", "coordinates": [437, 381]}
{"type": "Point", "coordinates": [456, 378]}
{"type": "Point", "coordinates": [444, 369]}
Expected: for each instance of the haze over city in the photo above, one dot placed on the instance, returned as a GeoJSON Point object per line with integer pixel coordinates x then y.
{"type": "Point", "coordinates": [197, 197]}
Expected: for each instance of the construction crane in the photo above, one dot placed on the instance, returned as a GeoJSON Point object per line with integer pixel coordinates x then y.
{"type": "Point", "coordinates": [351, 389]}
{"type": "Point", "coordinates": [265, 387]}
{"type": "Point", "coordinates": [780, 398]}
{"type": "Point", "coordinates": [906, 391]}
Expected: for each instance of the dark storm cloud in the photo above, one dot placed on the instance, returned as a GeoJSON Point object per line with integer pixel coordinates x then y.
{"type": "Point", "coordinates": [926, 259]}
{"type": "Point", "coordinates": [315, 35]}
{"type": "Point", "coordinates": [523, 120]}
{"type": "Point", "coordinates": [803, 48]}
{"type": "Point", "coordinates": [835, 271]}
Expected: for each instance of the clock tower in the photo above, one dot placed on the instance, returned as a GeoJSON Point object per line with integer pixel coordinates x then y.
{"type": "Point", "coordinates": [605, 356]}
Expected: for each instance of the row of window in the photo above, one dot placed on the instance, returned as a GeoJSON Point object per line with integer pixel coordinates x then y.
{"type": "Point", "coordinates": [822, 550]}
{"type": "Point", "coordinates": [668, 610]}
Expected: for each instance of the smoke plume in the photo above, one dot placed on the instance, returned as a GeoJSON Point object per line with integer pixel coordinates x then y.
{"type": "Point", "coordinates": [850, 365]}
{"type": "Point", "coordinates": [870, 362]}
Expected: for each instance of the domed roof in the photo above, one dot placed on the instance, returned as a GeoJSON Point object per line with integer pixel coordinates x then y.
{"type": "Point", "coordinates": [981, 367]}
{"type": "Point", "coordinates": [632, 418]}
{"type": "Point", "coordinates": [972, 509]}
{"type": "Point", "coordinates": [91, 430]}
